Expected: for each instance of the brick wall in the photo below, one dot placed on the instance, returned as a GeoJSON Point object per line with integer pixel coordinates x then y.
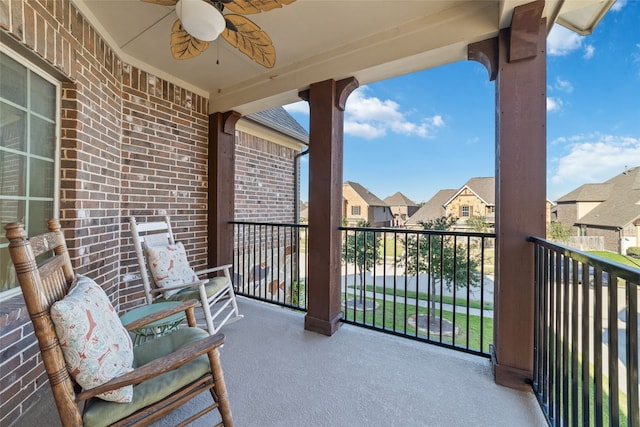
{"type": "Point", "coordinates": [131, 144]}
{"type": "Point", "coordinates": [164, 168]}
{"type": "Point", "coordinates": [265, 180]}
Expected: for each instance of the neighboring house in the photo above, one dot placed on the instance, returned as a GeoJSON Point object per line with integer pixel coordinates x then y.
{"type": "Point", "coordinates": [475, 198]}
{"type": "Point", "coordinates": [433, 208]}
{"type": "Point", "coordinates": [359, 204]}
{"type": "Point", "coordinates": [610, 210]}
{"type": "Point", "coordinates": [401, 207]}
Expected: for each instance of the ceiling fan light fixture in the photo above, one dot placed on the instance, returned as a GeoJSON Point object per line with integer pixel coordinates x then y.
{"type": "Point", "coordinates": [200, 18]}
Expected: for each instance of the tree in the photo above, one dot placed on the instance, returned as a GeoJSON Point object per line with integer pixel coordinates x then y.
{"type": "Point", "coordinates": [558, 232]}
{"type": "Point", "coordinates": [441, 258]}
{"type": "Point", "coordinates": [363, 249]}
{"type": "Point", "coordinates": [478, 223]}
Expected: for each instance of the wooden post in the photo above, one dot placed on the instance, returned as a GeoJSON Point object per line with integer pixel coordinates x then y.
{"type": "Point", "coordinates": [222, 129]}
{"type": "Point", "coordinates": [518, 61]}
{"type": "Point", "coordinates": [326, 102]}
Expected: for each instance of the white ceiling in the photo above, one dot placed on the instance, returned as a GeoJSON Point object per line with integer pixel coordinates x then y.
{"type": "Point", "coordinates": [317, 40]}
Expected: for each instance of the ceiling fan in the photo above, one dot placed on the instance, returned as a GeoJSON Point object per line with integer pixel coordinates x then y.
{"type": "Point", "coordinates": [202, 21]}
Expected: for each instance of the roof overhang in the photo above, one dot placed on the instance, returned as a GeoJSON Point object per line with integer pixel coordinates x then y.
{"type": "Point", "coordinates": [316, 40]}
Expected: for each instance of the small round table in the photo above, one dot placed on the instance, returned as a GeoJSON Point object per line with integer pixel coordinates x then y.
{"type": "Point", "coordinates": [157, 328]}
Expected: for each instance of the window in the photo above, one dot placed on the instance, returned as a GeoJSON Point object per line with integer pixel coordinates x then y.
{"type": "Point", "coordinates": [355, 210]}
{"type": "Point", "coordinates": [465, 211]}
{"type": "Point", "coordinates": [28, 153]}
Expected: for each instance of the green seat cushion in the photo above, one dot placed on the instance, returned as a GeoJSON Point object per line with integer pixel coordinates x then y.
{"type": "Point", "coordinates": [103, 413]}
{"type": "Point", "coordinates": [212, 287]}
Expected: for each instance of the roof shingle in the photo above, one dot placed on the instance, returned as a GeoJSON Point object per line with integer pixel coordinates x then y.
{"type": "Point", "coordinates": [280, 120]}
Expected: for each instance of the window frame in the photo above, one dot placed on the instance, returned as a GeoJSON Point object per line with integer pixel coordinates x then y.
{"type": "Point", "coordinates": [57, 84]}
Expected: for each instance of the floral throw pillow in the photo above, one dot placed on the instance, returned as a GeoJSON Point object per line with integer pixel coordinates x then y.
{"type": "Point", "coordinates": [96, 347]}
{"type": "Point", "coordinates": [169, 266]}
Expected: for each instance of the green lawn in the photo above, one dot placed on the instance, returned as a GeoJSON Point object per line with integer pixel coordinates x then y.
{"type": "Point", "coordinates": [622, 397]}
{"type": "Point", "coordinates": [462, 302]}
{"type": "Point", "coordinates": [383, 318]}
{"type": "Point", "coordinates": [622, 259]}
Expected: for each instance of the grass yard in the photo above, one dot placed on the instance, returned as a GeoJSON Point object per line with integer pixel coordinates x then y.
{"type": "Point", "coordinates": [622, 259]}
{"type": "Point", "coordinates": [383, 318]}
{"type": "Point", "coordinates": [423, 296]}
{"type": "Point", "coordinates": [622, 397]}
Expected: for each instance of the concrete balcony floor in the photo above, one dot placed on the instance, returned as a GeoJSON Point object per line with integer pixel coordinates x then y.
{"type": "Point", "coordinates": [278, 374]}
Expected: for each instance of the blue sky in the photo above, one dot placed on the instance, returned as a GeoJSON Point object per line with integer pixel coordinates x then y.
{"type": "Point", "coordinates": [435, 129]}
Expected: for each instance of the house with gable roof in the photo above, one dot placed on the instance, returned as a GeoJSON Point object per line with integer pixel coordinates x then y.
{"type": "Point", "coordinates": [475, 198]}
{"type": "Point", "coordinates": [433, 208]}
{"type": "Point", "coordinates": [610, 209]}
{"type": "Point", "coordinates": [401, 207]}
{"type": "Point", "coordinates": [360, 204]}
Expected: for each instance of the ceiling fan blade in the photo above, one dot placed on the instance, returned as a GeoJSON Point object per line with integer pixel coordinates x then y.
{"type": "Point", "coordinates": [162, 2]}
{"type": "Point", "coordinates": [250, 40]}
{"type": "Point", "coordinates": [248, 7]}
{"type": "Point", "coordinates": [183, 44]}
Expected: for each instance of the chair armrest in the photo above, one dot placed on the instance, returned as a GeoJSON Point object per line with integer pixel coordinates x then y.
{"type": "Point", "coordinates": [213, 269]}
{"type": "Point", "coordinates": [185, 306]}
{"type": "Point", "coordinates": [158, 366]}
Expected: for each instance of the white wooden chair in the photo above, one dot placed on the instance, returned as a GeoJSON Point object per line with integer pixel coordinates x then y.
{"type": "Point", "coordinates": [167, 276]}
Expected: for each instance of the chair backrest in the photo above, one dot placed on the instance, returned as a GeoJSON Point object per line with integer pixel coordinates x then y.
{"type": "Point", "coordinates": [148, 234]}
{"type": "Point", "coordinates": [43, 284]}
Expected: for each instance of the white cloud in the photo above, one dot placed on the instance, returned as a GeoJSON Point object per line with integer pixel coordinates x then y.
{"type": "Point", "coordinates": [298, 107]}
{"type": "Point", "coordinates": [562, 42]}
{"type": "Point", "coordinates": [554, 104]}
{"type": "Point", "coordinates": [592, 159]}
{"type": "Point", "coordinates": [364, 130]}
{"type": "Point", "coordinates": [589, 51]}
{"type": "Point", "coordinates": [370, 118]}
{"type": "Point", "coordinates": [563, 85]}
{"type": "Point", "coordinates": [618, 5]}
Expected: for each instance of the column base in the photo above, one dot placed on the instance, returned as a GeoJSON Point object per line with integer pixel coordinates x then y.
{"type": "Point", "coordinates": [323, 326]}
{"type": "Point", "coordinates": [509, 376]}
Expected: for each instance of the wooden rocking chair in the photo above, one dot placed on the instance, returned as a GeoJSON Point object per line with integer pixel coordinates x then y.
{"type": "Point", "coordinates": [162, 259]}
{"type": "Point", "coordinates": [165, 373]}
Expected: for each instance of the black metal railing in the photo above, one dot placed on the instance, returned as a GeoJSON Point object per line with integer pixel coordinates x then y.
{"type": "Point", "coordinates": [432, 286]}
{"type": "Point", "coordinates": [269, 262]}
{"type": "Point", "coordinates": [585, 337]}
{"type": "Point", "coordinates": [428, 285]}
